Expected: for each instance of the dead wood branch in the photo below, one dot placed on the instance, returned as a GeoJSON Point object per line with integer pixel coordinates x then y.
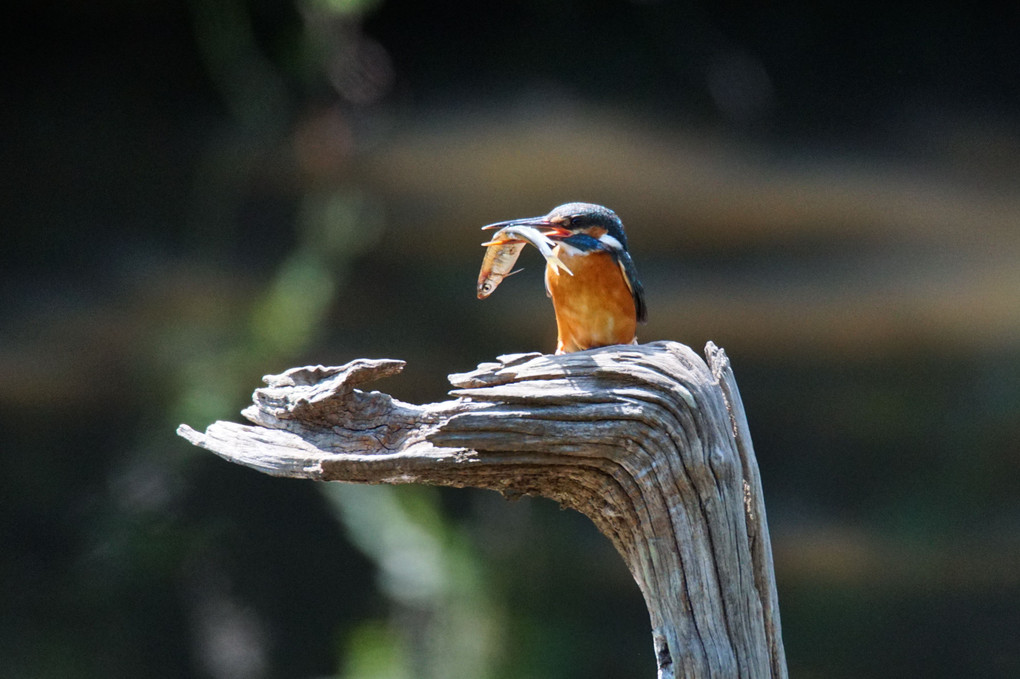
{"type": "Point", "coordinates": [648, 441]}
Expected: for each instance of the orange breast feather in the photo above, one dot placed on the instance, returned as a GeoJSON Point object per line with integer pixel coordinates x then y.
{"type": "Point", "coordinates": [594, 307]}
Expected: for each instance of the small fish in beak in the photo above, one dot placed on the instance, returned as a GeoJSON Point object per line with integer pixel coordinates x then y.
{"type": "Point", "coordinates": [503, 250]}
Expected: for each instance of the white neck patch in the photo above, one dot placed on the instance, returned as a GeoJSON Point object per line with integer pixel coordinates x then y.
{"type": "Point", "coordinates": [610, 241]}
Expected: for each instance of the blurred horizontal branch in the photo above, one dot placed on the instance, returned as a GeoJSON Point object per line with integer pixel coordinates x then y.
{"type": "Point", "coordinates": [771, 252]}
{"type": "Point", "coordinates": [680, 187]}
{"type": "Point", "coordinates": [835, 554]}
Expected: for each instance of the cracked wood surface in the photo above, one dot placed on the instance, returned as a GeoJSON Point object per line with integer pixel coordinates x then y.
{"type": "Point", "coordinates": [649, 441]}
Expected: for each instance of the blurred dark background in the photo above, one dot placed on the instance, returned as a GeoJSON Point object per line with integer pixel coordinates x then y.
{"type": "Point", "coordinates": [197, 194]}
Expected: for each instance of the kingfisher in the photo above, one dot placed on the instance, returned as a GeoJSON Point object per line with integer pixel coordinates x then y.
{"type": "Point", "coordinates": [596, 295]}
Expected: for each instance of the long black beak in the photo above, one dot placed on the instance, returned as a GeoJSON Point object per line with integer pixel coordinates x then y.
{"type": "Point", "coordinates": [544, 225]}
{"type": "Point", "coordinates": [537, 222]}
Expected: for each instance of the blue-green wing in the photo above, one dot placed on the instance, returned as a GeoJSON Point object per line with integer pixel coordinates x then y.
{"type": "Point", "coordinates": [636, 289]}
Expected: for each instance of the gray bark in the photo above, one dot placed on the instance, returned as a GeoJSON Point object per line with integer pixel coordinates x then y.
{"type": "Point", "coordinates": [649, 441]}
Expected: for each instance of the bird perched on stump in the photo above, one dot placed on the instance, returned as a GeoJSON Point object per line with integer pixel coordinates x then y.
{"type": "Point", "coordinates": [590, 276]}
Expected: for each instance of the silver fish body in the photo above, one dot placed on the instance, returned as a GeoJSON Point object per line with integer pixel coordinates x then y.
{"type": "Point", "coordinates": [503, 250]}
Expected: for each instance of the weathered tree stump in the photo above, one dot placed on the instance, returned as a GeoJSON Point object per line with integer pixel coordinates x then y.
{"type": "Point", "coordinates": [649, 441]}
